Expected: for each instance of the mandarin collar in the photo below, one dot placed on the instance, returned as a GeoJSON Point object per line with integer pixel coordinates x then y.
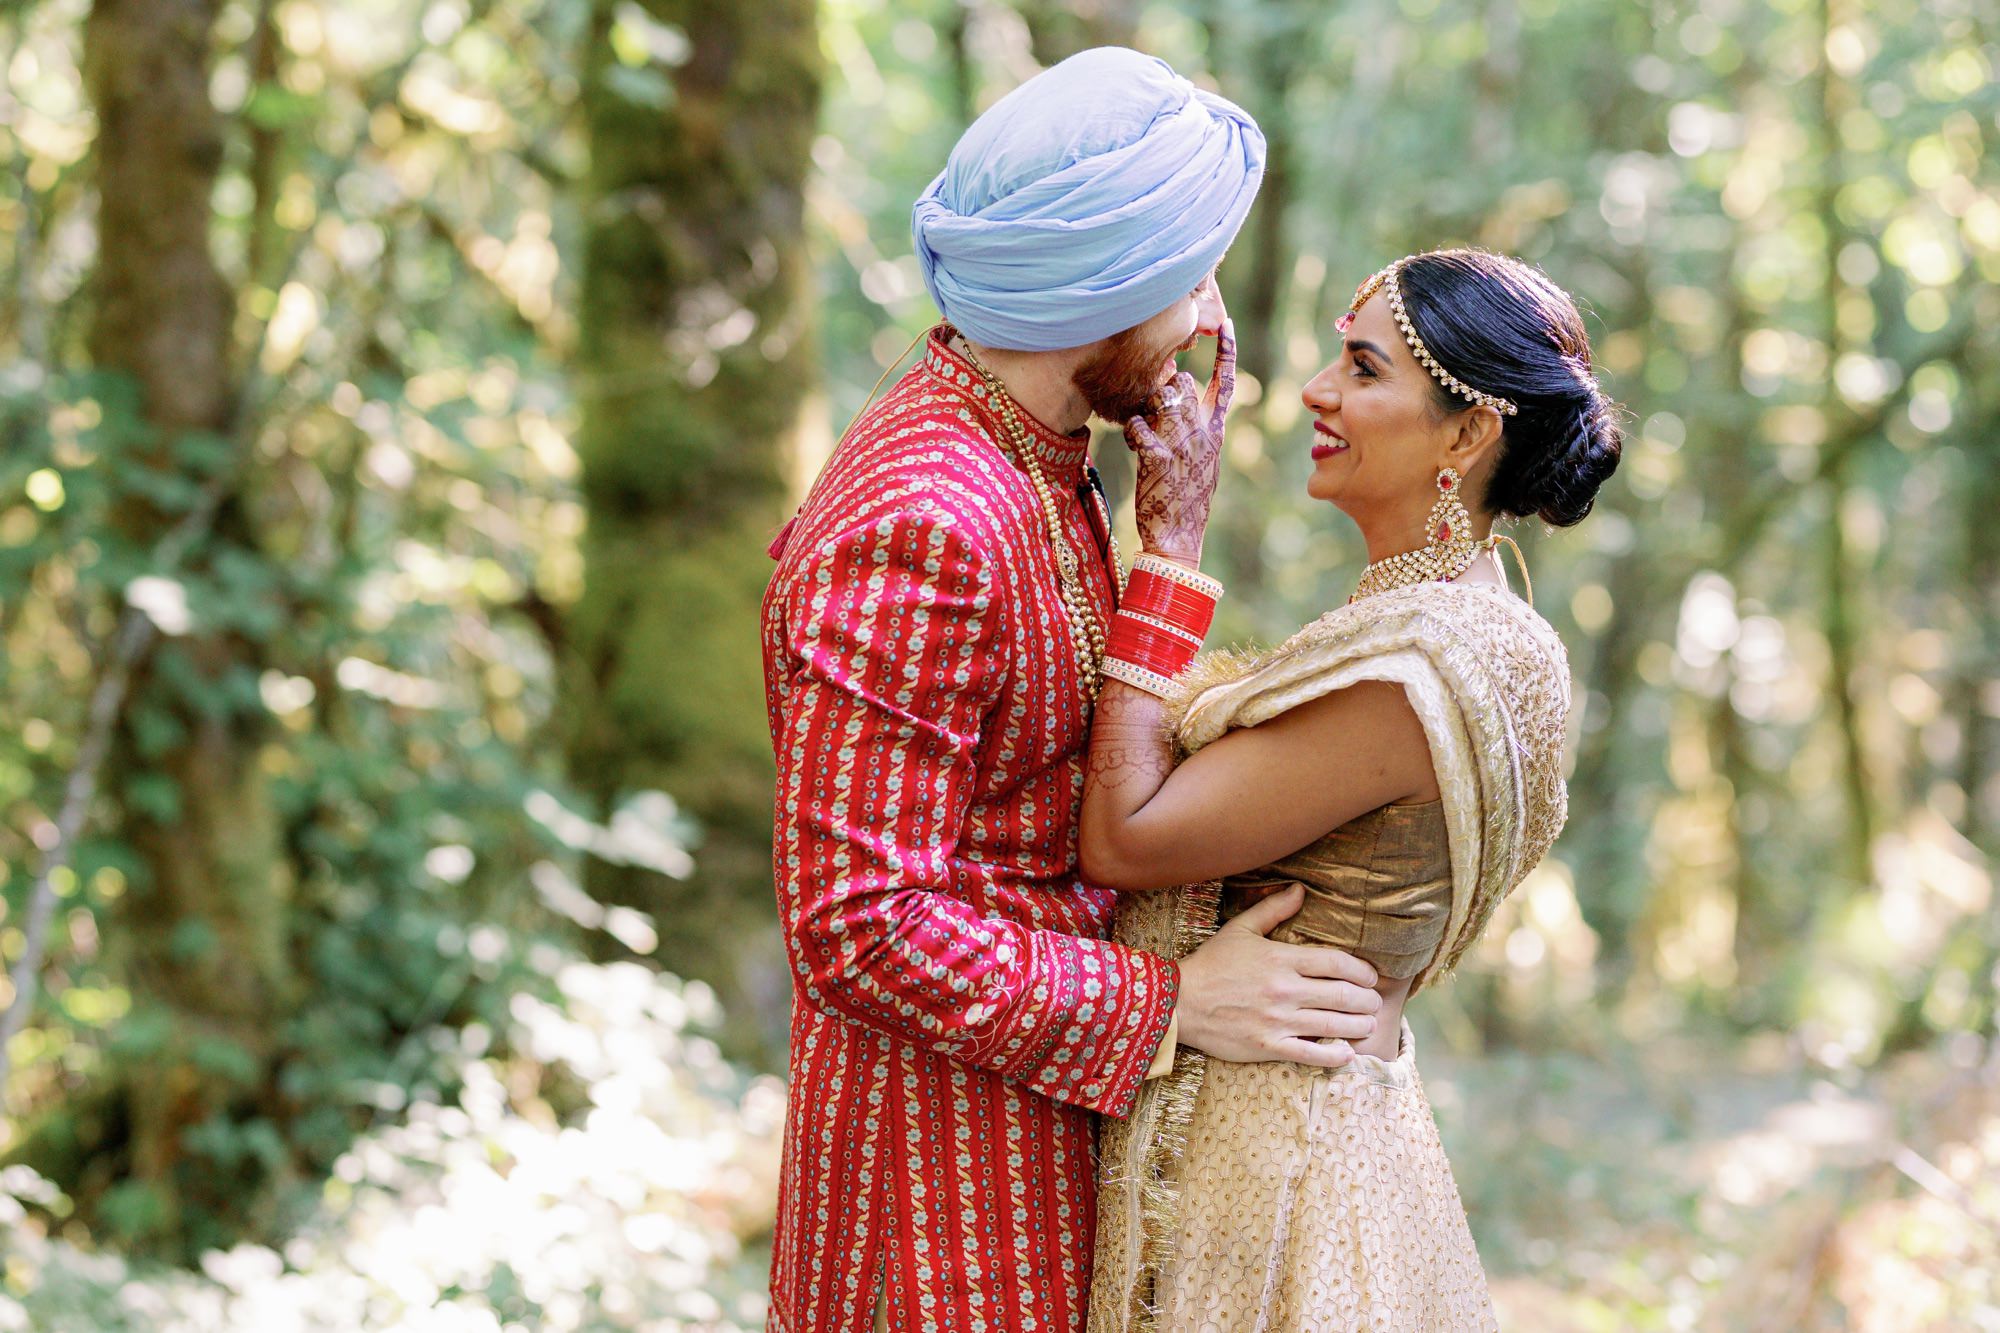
{"type": "Point", "coordinates": [1062, 456]}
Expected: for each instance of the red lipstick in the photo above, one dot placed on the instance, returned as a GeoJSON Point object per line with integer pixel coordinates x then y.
{"type": "Point", "coordinates": [1330, 443]}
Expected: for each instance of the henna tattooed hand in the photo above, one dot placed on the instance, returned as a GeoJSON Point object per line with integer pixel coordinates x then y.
{"type": "Point", "coordinates": [1179, 451]}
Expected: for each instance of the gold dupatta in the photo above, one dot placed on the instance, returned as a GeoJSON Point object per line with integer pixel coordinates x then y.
{"type": "Point", "coordinates": [1490, 682]}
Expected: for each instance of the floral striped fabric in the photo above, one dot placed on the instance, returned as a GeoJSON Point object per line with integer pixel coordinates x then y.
{"type": "Point", "coordinates": [957, 1014]}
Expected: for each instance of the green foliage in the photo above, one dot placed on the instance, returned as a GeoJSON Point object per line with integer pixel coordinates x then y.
{"type": "Point", "coordinates": [478, 1208]}
{"type": "Point", "coordinates": [1784, 224]}
{"type": "Point", "coordinates": [399, 492]}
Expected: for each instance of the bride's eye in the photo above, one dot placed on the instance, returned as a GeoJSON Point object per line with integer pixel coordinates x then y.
{"type": "Point", "coordinates": [1363, 369]}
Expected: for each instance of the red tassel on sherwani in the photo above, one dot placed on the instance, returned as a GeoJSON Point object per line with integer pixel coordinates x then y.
{"type": "Point", "coordinates": [957, 1014]}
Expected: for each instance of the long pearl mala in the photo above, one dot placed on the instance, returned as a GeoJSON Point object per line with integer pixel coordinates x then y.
{"type": "Point", "coordinates": [1086, 630]}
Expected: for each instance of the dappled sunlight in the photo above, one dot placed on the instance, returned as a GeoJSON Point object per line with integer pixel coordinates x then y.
{"type": "Point", "coordinates": [491, 1211]}
{"type": "Point", "coordinates": [1737, 1196]}
{"type": "Point", "coordinates": [347, 918]}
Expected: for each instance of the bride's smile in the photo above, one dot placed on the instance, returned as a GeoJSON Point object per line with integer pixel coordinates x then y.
{"type": "Point", "coordinates": [1329, 442]}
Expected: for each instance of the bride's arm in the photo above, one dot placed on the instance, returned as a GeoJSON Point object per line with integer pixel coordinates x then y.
{"type": "Point", "coordinates": [1247, 798]}
{"type": "Point", "coordinates": [1255, 794]}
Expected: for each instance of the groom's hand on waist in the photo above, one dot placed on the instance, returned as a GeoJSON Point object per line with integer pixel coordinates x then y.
{"type": "Point", "coordinates": [1246, 998]}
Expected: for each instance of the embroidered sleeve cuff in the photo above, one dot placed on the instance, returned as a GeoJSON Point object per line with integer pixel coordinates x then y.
{"type": "Point", "coordinates": [1163, 1059]}
{"type": "Point", "coordinates": [1094, 1017]}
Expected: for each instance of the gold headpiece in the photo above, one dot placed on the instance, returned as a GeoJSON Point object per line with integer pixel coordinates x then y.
{"type": "Point", "coordinates": [1385, 281]}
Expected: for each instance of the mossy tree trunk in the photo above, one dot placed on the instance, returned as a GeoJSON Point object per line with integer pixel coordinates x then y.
{"type": "Point", "coordinates": [200, 937]}
{"type": "Point", "coordinates": [1843, 613]}
{"type": "Point", "coordinates": [694, 363]}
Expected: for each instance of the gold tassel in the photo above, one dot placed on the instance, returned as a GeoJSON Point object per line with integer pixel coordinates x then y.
{"type": "Point", "coordinates": [1217, 666]}
{"type": "Point", "coordinates": [865, 404]}
{"type": "Point", "coordinates": [884, 376]}
{"type": "Point", "coordinates": [1527, 584]}
{"type": "Point", "coordinates": [1171, 1098]}
{"type": "Point", "coordinates": [1159, 1169]}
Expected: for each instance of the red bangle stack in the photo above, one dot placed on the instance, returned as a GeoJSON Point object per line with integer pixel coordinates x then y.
{"type": "Point", "coordinates": [1173, 602]}
{"type": "Point", "coordinates": [1160, 624]}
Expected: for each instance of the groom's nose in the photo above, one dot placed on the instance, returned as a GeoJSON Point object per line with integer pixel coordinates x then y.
{"type": "Point", "coordinates": [1208, 310]}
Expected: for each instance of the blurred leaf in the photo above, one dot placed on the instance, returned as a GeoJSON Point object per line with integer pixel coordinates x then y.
{"type": "Point", "coordinates": [226, 1059]}
{"type": "Point", "coordinates": [154, 795]}
{"type": "Point", "coordinates": [272, 106]}
{"type": "Point", "coordinates": [646, 87]}
{"type": "Point", "coordinates": [203, 453]}
{"type": "Point", "coordinates": [193, 941]}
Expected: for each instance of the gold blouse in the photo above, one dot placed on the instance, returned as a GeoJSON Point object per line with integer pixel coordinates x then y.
{"type": "Point", "coordinates": [1378, 886]}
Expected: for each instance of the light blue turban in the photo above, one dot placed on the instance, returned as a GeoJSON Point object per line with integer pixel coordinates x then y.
{"type": "Point", "coordinates": [1085, 202]}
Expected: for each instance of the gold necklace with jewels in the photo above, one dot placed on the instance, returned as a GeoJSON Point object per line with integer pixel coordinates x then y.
{"type": "Point", "coordinates": [1448, 553]}
{"type": "Point", "coordinates": [1086, 630]}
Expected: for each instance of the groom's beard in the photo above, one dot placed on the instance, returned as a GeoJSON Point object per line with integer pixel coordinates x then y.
{"type": "Point", "coordinates": [1120, 381]}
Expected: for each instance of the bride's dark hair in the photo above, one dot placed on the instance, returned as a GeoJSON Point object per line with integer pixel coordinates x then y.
{"type": "Point", "coordinates": [1502, 327]}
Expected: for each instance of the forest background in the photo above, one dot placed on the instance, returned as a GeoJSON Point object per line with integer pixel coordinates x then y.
{"type": "Point", "coordinates": [396, 397]}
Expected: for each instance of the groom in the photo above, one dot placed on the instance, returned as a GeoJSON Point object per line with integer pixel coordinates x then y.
{"type": "Point", "coordinates": [927, 646]}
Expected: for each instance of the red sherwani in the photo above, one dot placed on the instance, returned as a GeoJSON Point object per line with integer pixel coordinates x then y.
{"type": "Point", "coordinates": [957, 1014]}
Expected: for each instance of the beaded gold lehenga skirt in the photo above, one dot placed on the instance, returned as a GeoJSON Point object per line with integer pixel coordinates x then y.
{"type": "Point", "coordinates": [1278, 1198]}
{"type": "Point", "coordinates": [1320, 1201]}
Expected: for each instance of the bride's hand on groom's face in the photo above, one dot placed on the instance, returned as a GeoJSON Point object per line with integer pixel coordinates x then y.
{"type": "Point", "coordinates": [1179, 453]}
{"type": "Point", "coordinates": [1245, 998]}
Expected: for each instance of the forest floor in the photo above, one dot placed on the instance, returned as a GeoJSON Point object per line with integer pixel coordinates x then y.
{"type": "Point", "coordinates": [607, 1170]}
{"type": "Point", "coordinates": [1667, 1188]}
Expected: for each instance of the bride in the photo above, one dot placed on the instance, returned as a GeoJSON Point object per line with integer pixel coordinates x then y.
{"type": "Point", "coordinates": [1395, 766]}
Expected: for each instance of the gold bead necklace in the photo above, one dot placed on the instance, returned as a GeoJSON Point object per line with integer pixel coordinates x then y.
{"type": "Point", "coordinates": [1436, 563]}
{"type": "Point", "coordinates": [1086, 629]}
{"type": "Point", "coordinates": [1447, 553]}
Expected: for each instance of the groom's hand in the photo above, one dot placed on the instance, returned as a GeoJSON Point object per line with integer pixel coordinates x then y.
{"type": "Point", "coordinates": [1245, 998]}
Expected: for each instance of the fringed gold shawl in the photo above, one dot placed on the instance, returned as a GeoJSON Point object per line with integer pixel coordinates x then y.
{"type": "Point", "coordinates": [1490, 682]}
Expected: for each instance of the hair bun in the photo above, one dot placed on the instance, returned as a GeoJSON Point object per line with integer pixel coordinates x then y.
{"type": "Point", "coordinates": [1502, 326]}
{"type": "Point", "coordinates": [1585, 456]}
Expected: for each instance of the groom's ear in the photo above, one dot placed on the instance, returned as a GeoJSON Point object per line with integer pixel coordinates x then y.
{"type": "Point", "coordinates": [1475, 440]}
